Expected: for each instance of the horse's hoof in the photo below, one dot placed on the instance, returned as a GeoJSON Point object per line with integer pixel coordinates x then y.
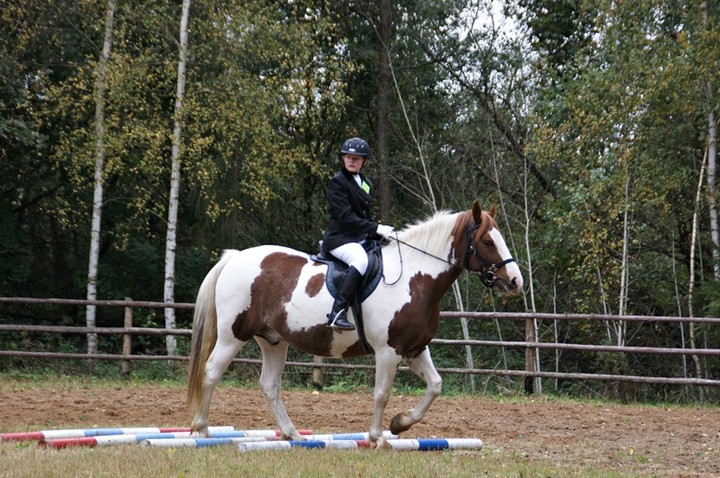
{"type": "Point", "coordinates": [294, 436]}
{"type": "Point", "coordinates": [397, 426]}
{"type": "Point", "coordinates": [200, 433]}
{"type": "Point", "coordinates": [382, 444]}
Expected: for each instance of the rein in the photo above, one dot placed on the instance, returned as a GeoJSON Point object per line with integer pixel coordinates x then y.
{"type": "Point", "coordinates": [487, 274]}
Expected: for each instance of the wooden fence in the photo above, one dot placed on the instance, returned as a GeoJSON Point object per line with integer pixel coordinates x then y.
{"type": "Point", "coordinates": [129, 330]}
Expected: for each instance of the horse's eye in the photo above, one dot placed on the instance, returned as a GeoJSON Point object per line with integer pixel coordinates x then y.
{"type": "Point", "coordinates": [489, 243]}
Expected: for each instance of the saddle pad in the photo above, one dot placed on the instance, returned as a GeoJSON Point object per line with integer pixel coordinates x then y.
{"type": "Point", "coordinates": [336, 269]}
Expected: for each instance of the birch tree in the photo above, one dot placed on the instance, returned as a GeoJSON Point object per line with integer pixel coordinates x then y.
{"type": "Point", "coordinates": [171, 240]}
{"type": "Point", "coordinates": [711, 154]}
{"type": "Point", "coordinates": [691, 285]}
{"type": "Point", "coordinates": [100, 87]}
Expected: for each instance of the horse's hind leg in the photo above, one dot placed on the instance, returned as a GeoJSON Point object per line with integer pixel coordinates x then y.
{"type": "Point", "coordinates": [220, 358]}
{"type": "Point", "coordinates": [273, 362]}
{"type": "Point", "coordinates": [424, 368]}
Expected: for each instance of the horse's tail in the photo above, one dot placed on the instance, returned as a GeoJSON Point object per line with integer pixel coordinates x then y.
{"type": "Point", "coordinates": [204, 334]}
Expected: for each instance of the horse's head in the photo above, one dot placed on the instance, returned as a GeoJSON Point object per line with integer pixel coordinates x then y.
{"type": "Point", "coordinates": [485, 252]}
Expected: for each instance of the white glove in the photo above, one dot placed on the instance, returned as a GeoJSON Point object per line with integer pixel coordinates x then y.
{"type": "Point", "coordinates": [385, 231]}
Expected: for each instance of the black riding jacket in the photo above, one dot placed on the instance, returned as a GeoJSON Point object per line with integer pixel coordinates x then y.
{"type": "Point", "coordinates": [349, 206]}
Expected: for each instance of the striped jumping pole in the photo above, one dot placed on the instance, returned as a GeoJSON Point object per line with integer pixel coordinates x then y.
{"type": "Point", "coordinates": [431, 444]}
{"type": "Point", "coordinates": [94, 432]}
{"type": "Point", "coordinates": [420, 444]}
{"type": "Point", "coordinates": [228, 439]}
{"type": "Point", "coordinates": [216, 433]}
{"type": "Point", "coordinates": [286, 445]}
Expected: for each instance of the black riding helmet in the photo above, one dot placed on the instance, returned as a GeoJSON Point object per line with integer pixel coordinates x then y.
{"type": "Point", "coordinates": [356, 146]}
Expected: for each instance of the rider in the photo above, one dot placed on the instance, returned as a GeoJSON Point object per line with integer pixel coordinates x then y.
{"type": "Point", "coordinates": [349, 196]}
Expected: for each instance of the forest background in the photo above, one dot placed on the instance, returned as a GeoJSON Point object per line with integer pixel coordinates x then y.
{"type": "Point", "coordinates": [591, 124]}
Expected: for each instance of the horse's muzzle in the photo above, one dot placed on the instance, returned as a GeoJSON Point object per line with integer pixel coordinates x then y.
{"type": "Point", "coordinates": [504, 287]}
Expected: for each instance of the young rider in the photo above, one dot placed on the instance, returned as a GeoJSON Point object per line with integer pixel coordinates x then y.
{"type": "Point", "coordinates": [349, 196]}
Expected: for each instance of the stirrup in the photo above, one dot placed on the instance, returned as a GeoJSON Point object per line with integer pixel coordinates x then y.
{"type": "Point", "coordinates": [339, 322]}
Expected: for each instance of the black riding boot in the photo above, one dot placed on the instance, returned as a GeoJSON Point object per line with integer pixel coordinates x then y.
{"type": "Point", "coordinates": [337, 318]}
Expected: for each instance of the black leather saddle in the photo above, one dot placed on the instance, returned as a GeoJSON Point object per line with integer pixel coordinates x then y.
{"type": "Point", "coordinates": [336, 269]}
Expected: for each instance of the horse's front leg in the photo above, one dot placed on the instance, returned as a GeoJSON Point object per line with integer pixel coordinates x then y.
{"type": "Point", "coordinates": [424, 368]}
{"type": "Point", "coordinates": [386, 363]}
{"type": "Point", "coordinates": [273, 357]}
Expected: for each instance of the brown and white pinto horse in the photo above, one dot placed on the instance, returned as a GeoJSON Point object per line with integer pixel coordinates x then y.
{"type": "Point", "coordinates": [278, 297]}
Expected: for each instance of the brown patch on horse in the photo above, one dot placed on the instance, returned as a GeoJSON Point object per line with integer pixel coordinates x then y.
{"type": "Point", "coordinates": [459, 234]}
{"type": "Point", "coordinates": [355, 350]}
{"type": "Point", "coordinates": [414, 326]}
{"type": "Point", "coordinates": [315, 340]}
{"type": "Point", "coordinates": [270, 291]}
{"type": "Point", "coordinates": [315, 285]}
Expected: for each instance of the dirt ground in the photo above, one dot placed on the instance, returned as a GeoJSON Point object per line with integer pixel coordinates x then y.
{"type": "Point", "coordinates": [653, 441]}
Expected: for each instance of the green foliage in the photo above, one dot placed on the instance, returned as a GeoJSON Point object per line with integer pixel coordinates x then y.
{"type": "Point", "coordinates": [560, 30]}
{"type": "Point", "coordinates": [624, 144]}
{"type": "Point", "coordinates": [587, 127]}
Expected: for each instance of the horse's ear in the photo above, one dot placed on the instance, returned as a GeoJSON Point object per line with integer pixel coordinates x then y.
{"type": "Point", "coordinates": [477, 212]}
{"type": "Point", "coordinates": [492, 210]}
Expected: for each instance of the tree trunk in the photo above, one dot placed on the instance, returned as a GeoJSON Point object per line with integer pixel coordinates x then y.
{"type": "Point", "coordinates": [469, 361]}
{"type": "Point", "coordinates": [532, 356]}
{"type": "Point", "coordinates": [383, 95]}
{"type": "Point", "coordinates": [691, 285]}
{"type": "Point", "coordinates": [621, 325]}
{"type": "Point", "coordinates": [712, 161]}
{"type": "Point", "coordinates": [171, 241]}
{"type": "Point", "coordinates": [712, 187]}
{"type": "Point", "coordinates": [100, 87]}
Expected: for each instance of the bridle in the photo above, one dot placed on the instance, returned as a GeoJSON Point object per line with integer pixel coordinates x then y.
{"type": "Point", "coordinates": [488, 270]}
{"type": "Point", "coordinates": [487, 273]}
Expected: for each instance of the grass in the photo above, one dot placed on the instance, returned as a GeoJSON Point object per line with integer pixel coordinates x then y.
{"type": "Point", "coordinates": [29, 460]}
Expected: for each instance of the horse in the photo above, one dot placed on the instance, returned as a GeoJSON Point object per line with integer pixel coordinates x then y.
{"type": "Point", "coordinates": [278, 297]}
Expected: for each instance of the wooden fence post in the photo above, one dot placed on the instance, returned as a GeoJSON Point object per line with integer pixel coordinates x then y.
{"type": "Point", "coordinates": [317, 373]}
{"type": "Point", "coordinates": [529, 384]}
{"type": "Point", "coordinates": [127, 339]}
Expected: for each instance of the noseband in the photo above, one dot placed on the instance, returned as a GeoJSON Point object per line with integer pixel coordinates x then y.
{"type": "Point", "coordinates": [487, 273]}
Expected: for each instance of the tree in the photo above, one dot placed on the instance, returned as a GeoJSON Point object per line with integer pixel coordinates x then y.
{"type": "Point", "coordinates": [171, 240]}
{"type": "Point", "coordinates": [709, 36]}
{"type": "Point", "coordinates": [622, 138]}
{"type": "Point", "coordinates": [100, 87]}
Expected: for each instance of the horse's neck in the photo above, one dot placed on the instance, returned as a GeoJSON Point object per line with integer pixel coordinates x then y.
{"type": "Point", "coordinates": [433, 236]}
{"type": "Point", "coordinates": [427, 247]}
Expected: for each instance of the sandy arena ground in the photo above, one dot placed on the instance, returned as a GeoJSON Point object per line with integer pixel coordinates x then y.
{"type": "Point", "coordinates": [669, 442]}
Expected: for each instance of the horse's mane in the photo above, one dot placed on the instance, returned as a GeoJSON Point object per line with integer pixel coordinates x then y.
{"type": "Point", "coordinates": [431, 235]}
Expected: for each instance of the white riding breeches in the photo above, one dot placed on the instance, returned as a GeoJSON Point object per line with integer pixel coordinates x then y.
{"type": "Point", "coordinates": [353, 254]}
